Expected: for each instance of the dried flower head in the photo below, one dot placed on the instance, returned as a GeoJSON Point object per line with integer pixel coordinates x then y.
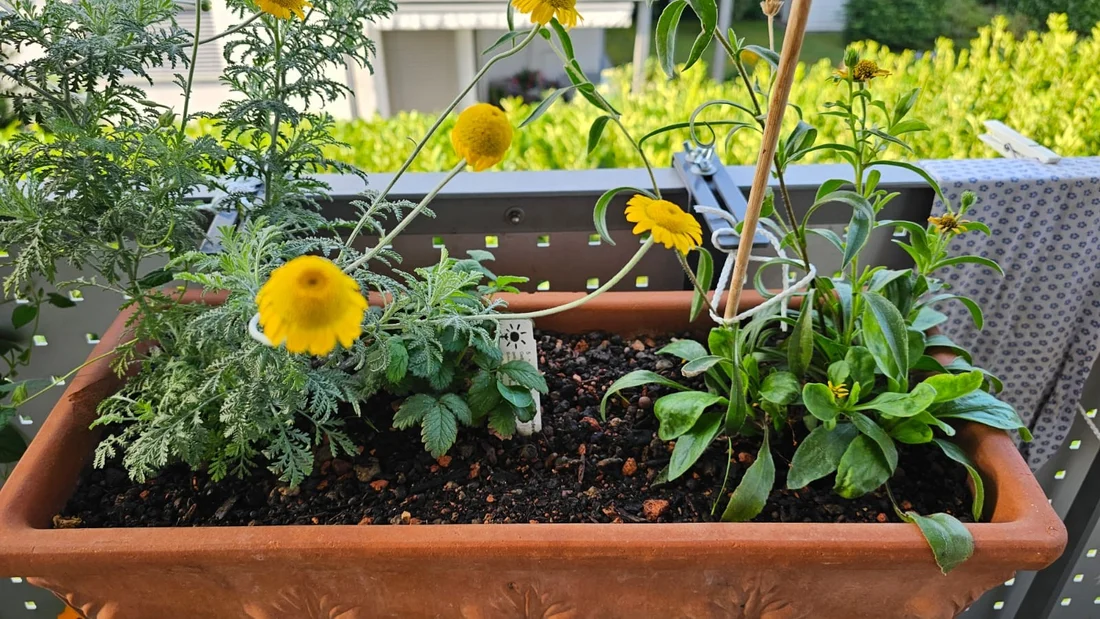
{"type": "Point", "coordinates": [863, 72]}
{"type": "Point", "coordinates": [771, 8]}
{"type": "Point", "coordinates": [949, 224]}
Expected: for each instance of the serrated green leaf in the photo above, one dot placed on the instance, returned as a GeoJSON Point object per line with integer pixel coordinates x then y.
{"type": "Point", "coordinates": [502, 420]}
{"type": "Point", "coordinates": [439, 429]}
{"type": "Point", "coordinates": [819, 454]}
{"type": "Point", "coordinates": [398, 364]}
{"type": "Point", "coordinates": [679, 412]}
{"type": "Point", "coordinates": [457, 406]}
{"type": "Point", "coordinates": [525, 375]}
{"type": "Point", "coordinates": [751, 495]}
{"type": "Point", "coordinates": [483, 395]}
{"type": "Point", "coordinates": [413, 410]}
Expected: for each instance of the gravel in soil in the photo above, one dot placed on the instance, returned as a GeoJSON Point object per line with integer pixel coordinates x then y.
{"type": "Point", "coordinates": [579, 469]}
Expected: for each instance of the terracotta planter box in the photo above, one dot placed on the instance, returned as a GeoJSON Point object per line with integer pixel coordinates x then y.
{"type": "Point", "coordinates": [520, 571]}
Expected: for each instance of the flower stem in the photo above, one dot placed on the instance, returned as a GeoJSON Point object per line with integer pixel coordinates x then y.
{"type": "Point", "coordinates": [611, 283]}
{"type": "Point", "coordinates": [435, 127]}
{"type": "Point", "coordinates": [645, 160]}
{"type": "Point", "coordinates": [191, 68]}
{"type": "Point", "coordinates": [233, 30]}
{"type": "Point", "coordinates": [386, 240]}
{"type": "Point", "coordinates": [61, 379]}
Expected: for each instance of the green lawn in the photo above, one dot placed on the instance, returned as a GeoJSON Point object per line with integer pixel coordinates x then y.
{"type": "Point", "coordinates": [818, 45]}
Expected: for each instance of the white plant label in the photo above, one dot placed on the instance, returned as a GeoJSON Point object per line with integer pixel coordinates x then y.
{"type": "Point", "coordinates": [517, 343]}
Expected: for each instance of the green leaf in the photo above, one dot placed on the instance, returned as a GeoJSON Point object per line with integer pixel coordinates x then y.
{"type": "Point", "coordinates": [981, 407]}
{"type": "Point", "coordinates": [781, 388]}
{"type": "Point", "coordinates": [413, 410]}
{"type": "Point", "coordinates": [768, 55]}
{"type": "Point", "coordinates": [520, 397]}
{"type": "Point", "coordinates": [23, 315]}
{"type": "Point", "coordinates": [502, 419]}
{"type": "Point", "coordinates": [751, 495]}
{"type": "Point", "coordinates": [504, 40]}
{"type": "Point", "coordinates": [954, 386]}
{"type": "Point", "coordinates": [723, 343]}
{"type": "Point", "coordinates": [971, 305]}
{"type": "Point", "coordinates": [637, 378]}
{"type": "Point", "coordinates": [545, 105]}
{"type": "Point", "coordinates": [563, 36]}
{"type": "Point", "coordinates": [912, 432]}
{"type": "Point", "coordinates": [885, 336]}
{"type": "Point", "coordinates": [690, 446]}
{"type": "Point", "coordinates": [928, 364]}
{"type": "Point", "coordinates": [871, 429]}
{"type": "Point", "coordinates": [439, 429]}
{"type": "Point", "coordinates": [905, 103]}
{"type": "Point", "coordinates": [458, 408]}
{"type": "Point", "coordinates": [859, 230]}
{"type": "Point", "coordinates": [707, 11]}
{"type": "Point", "coordinates": [58, 300]}
{"type": "Point", "coordinates": [820, 401]}
{"type": "Point", "coordinates": [950, 540]}
{"type": "Point", "coordinates": [942, 341]}
{"type": "Point", "coordinates": [861, 365]}
{"type": "Point", "coordinates": [862, 469]}
{"type": "Point", "coordinates": [12, 444]}
{"type": "Point", "coordinates": [927, 418]}
{"type": "Point", "coordinates": [599, 213]}
{"type": "Point", "coordinates": [398, 364]}
{"type": "Point", "coordinates": [800, 346]}
{"type": "Point", "coordinates": [595, 132]}
{"type": "Point", "coordinates": [483, 395]}
{"type": "Point", "coordinates": [902, 404]}
{"type": "Point", "coordinates": [953, 451]}
{"type": "Point", "coordinates": [909, 126]}
{"type": "Point", "coordinates": [737, 408]}
{"type": "Point", "coordinates": [156, 278]}
{"type": "Point", "coordinates": [667, 24]}
{"type": "Point", "coordinates": [839, 372]}
{"type": "Point", "coordinates": [986, 262]}
{"type": "Point", "coordinates": [959, 364]}
{"type": "Point", "coordinates": [699, 366]}
{"type": "Point", "coordinates": [829, 187]}
{"type": "Point", "coordinates": [927, 318]}
{"type": "Point", "coordinates": [525, 375]}
{"type": "Point", "coordinates": [918, 171]}
{"type": "Point", "coordinates": [916, 346]}
{"type": "Point", "coordinates": [678, 412]}
{"type": "Point", "coordinates": [688, 350]}
{"type": "Point", "coordinates": [819, 454]}
{"type": "Point", "coordinates": [704, 274]}
{"type": "Point", "coordinates": [828, 235]}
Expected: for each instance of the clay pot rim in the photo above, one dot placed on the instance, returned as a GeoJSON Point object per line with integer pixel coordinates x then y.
{"type": "Point", "coordinates": [1024, 529]}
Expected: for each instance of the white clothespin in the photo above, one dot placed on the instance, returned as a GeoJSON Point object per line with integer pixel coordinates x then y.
{"type": "Point", "coordinates": [1011, 144]}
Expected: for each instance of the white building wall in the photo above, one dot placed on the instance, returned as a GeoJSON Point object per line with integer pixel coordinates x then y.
{"type": "Point", "coordinates": [825, 15]}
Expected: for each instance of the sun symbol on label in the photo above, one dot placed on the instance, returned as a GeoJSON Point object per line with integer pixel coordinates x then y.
{"type": "Point", "coordinates": [511, 337]}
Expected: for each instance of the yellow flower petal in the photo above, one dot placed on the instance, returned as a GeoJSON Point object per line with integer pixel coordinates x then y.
{"type": "Point", "coordinates": [482, 136]}
{"type": "Point", "coordinates": [284, 9]}
{"type": "Point", "coordinates": [309, 304]}
{"type": "Point", "coordinates": [542, 11]}
{"type": "Point", "coordinates": [670, 225]}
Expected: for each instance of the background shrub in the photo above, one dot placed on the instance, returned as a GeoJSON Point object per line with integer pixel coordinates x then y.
{"type": "Point", "coordinates": [903, 24]}
{"type": "Point", "coordinates": [1045, 86]}
{"type": "Point", "coordinates": [1083, 14]}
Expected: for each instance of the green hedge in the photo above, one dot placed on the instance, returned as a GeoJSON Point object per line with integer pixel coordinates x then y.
{"type": "Point", "coordinates": [910, 24]}
{"type": "Point", "coordinates": [1083, 14]}
{"type": "Point", "coordinates": [1046, 86]}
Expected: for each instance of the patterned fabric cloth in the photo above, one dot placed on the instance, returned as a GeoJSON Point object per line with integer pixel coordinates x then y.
{"type": "Point", "coordinates": [1042, 320]}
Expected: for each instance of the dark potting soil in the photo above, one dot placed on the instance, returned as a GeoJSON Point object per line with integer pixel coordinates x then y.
{"type": "Point", "coordinates": [579, 469]}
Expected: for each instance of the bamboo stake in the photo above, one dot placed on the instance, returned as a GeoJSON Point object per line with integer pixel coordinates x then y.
{"type": "Point", "coordinates": [788, 61]}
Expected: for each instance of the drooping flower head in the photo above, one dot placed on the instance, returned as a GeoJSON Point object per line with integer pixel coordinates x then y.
{"type": "Point", "coordinates": [542, 11]}
{"type": "Point", "coordinates": [284, 9]}
{"type": "Point", "coordinates": [482, 136]}
{"type": "Point", "coordinates": [309, 304]}
{"type": "Point", "coordinates": [863, 72]}
{"type": "Point", "coordinates": [949, 224]}
{"type": "Point", "coordinates": [668, 223]}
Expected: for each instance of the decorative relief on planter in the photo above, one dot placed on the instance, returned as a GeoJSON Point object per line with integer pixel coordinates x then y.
{"type": "Point", "coordinates": [79, 602]}
{"type": "Point", "coordinates": [519, 601]}
{"type": "Point", "coordinates": [752, 597]}
{"type": "Point", "coordinates": [302, 603]}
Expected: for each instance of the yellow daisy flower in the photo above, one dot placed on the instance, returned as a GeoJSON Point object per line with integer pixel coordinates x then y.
{"type": "Point", "coordinates": [309, 304]}
{"type": "Point", "coordinates": [839, 391]}
{"type": "Point", "coordinates": [284, 9]}
{"type": "Point", "coordinates": [668, 223]}
{"type": "Point", "coordinates": [542, 11]}
{"type": "Point", "coordinates": [864, 71]}
{"type": "Point", "coordinates": [949, 224]}
{"type": "Point", "coordinates": [482, 136]}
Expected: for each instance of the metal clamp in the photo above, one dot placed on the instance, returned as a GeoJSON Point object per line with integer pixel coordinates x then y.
{"type": "Point", "coordinates": [709, 184]}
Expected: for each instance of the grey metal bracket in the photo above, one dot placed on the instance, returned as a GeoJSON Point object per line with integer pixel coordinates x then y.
{"type": "Point", "coordinates": [711, 185]}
